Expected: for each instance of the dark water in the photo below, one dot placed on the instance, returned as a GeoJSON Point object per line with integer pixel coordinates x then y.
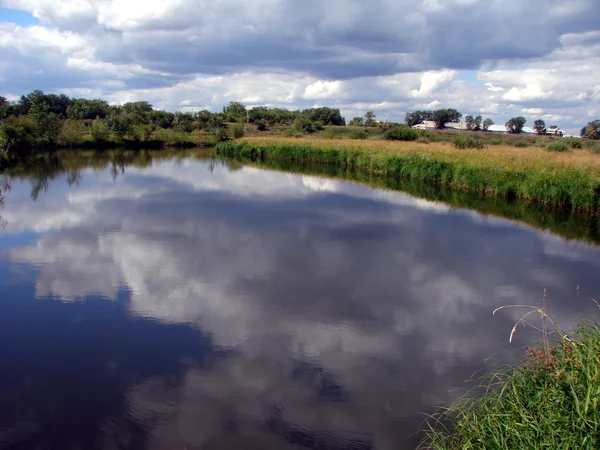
{"type": "Point", "coordinates": [192, 304]}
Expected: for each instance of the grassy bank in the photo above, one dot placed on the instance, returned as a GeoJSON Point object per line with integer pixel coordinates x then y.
{"type": "Point", "coordinates": [567, 180]}
{"type": "Point", "coordinates": [550, 402]}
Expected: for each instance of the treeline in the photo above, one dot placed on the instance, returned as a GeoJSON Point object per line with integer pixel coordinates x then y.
{"type": "Point", "coordinates": [45, 121]}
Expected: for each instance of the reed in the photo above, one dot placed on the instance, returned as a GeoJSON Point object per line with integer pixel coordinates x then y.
{"type": "Point", "coordinates": [566, 180]}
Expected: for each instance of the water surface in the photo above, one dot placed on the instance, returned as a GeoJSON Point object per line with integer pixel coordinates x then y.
{"type": "Point", "coordinates": [204, 304]}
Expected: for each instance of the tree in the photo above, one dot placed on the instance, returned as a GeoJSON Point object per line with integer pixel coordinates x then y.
{"type": "Point", "coordinates": [417, 117]}
{"type": "Point", "coordinates": [539, 126]}
{"type": "Point", "coordinates": [3, 107]}
{"type": "Point", "coordinates": [487, 123]}
{"type": "Point", "coordinates": [516, 124]}
{"type": "Point", "coordinates": [99, 131]}
{"type": "Point", "coordinates": [85, 109]}
{"type": "Point", "coordinates": [370, 119]}
{"type": "Point", "coordinates": [71, 132]}
{"type": "Point", "coordinates": [235, 112]}
{"type": "Point", "coordinates": [477, 123]}
{"type": "Point", "coordinates": [357, 122]}
{"type": "Point", "coordinates": [443, 116]}
{"type": "Point", "coordinates": [591, 130]}
{"type": "Point", "coordinates": [120, 125]}
{"type": "Point", "coordinates": [470, 121]}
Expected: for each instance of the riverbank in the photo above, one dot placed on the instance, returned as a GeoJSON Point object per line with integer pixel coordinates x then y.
{"type": "Point", "coordinates": [551, 401]}
{"type": "Point", "coordinates": [567, 180]}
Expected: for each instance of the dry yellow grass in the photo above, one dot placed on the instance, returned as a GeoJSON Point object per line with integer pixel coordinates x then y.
{"type": "Point", "coordinates": [505, 156]}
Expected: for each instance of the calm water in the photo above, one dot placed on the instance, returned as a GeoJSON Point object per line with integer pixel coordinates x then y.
{"type": "Point", "coordinates": [195, 305]}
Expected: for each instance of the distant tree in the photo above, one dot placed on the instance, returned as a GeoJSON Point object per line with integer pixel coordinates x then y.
{"type": "Point", "coordinates": [87, 109]}
{"type": "Point", "coordinates": [4, 104]}
{"type": "Point", "coordinates": [71, 132]}
{"type": "Point", "coordinates": [357, 122]}
{"type": "Point", "coordinates": [417, 117]}
{"type": "Point", "coordinates": [539, 126]}
{"type": "Point", "coordinates": [324, 115]}
{"type": "Point", "coordinates": [100, 131]}
{"type": "Point", "coordinates": [515, 125]}
{"type": "Point", "coordinates": [235, 112]}
{"type": "Point", "coordinates": [477, 123]}
{"type": "Point", "coordinates": [470, 121]}
{"type": "Point", "coordinates": [120, 125]}
{"type": "Point", "coordinates": [443, 116]}
{"type": "Point", "coordinates": [370, 119]}
{"type": "Point", "coordinates": [591, 130]}
{"type": "Point", "coordinates": [487, 123]}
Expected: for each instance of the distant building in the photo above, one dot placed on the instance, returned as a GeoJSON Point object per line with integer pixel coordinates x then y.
{"type": "Point", "coordinates": [554, 131]}
{"type": "Point", "coordinates": [426, 125]}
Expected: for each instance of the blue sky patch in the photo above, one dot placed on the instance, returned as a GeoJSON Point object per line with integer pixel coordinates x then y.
{"type": "Point", "coordinates": [21, 18]}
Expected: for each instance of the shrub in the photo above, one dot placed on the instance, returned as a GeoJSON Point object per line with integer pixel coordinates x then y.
{"type": "Point", "coordinates": [558, 146]}
{"type": "Point", "coordinates": [99, 131]}
{"type": "Point", "coordinates": [467, 141]}
{"type": "Point", "coordinates": [594, 147]}
{"type": "Point", "coordinates": [260, 125]}
{"type": "Point", "coordinates": [400, 133]}
{"type": "Point", "coordinates": [497, 140]}
{"type": "Point", "coordinates": [359, 134]}
{"type": "Point", "coordinates": [292, 132]}
{"type": "Point", "coordinates": [575, 143]}
{"type": "Point", "coordinates": [327, 134]}
{"type": "Point", "coordinates": [423, 140]}
{"type": "Point", "coordinates": [520, 144]}
{"type": "Point", "coordinates": [221, 134]}
{"type": "Point", "coordinates": [237, 131]}
{"type": "Point", "coordinates": [71, 132]}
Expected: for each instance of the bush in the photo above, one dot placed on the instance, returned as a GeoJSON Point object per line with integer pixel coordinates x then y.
{"type": "Point", "coordinates": [594, 147]}
{"type": "Point", "coordinates": [260, 125]}
{"type": "Point", "coordinates": [293, 132]}
{"type": "Point", "coordinates": [99, 131]}
{"type": "Point", "coordinates": [575, 143]}
{"type": "Point", "coordinates": [559, 146]}
{"type": "Point", "coordinates": [467, 141]}
{"type": "Point", "coordinates": [221, 134]}
{"type": "Point", "coordinates": [359, 134]}
{"type": "Point", "coordinates": [237, 131]}
{"type": "Point", "coordinates": [327, 134]}
{"type": "Point", "coordinates": [400, 133]}
{"type": "Point", "coordinates": [520, 144]}
{"type": "Point", "coordinates": [497, 141]}
{"type": "Point", "coordinates": [423, 140]}
{"type": "Point", "coordinates": [71, 132]}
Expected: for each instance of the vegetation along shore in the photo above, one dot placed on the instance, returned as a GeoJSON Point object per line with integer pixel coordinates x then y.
{"type": "Point", "coordinates": [564, 179]}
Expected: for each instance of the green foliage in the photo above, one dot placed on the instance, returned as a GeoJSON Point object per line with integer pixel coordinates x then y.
{"type": "Point", "coordinates": [594, 147]}
{"type": "Point", "coordinates": [323, 116]}
{"type": "Point", "coordinates": [559, 146]}
{"type": "Point", "coordinates": [574, 143]}
{"type": "Point", "coordinates": [468, 141]}
{"type": "Point", "coordinates": [237, 131]}
{"type": "Point", "coordinates": [260, 125]}
{"type": "Point", "coordinates": [416, 117]}
{"type": "Point", "coordinates": [221, 134]}
{"type": "Point", "coordinates": [370, 119]}
{"type": "Point", "coordinates": [473, 123]}
{"type": "Point", "coordinates": [357, 122]}
{"type": "Point", "coordinates": [328, 133]}
{"type": "Point", "coordinates": [84, 109]}
{"type": "Point", "coordinates": [71, 132]}
{"type": "Point", "coordinates": [120, 125]}
{"type": "Point", "coordinates": [235, 112]}
{"type": "Point", "coordinates": [570, 188]}
{"type": "Point", "coordinates": [487, 123]}
{"type": "Point", "coordinates": [520, 144]}
{"type": "Point", "coordinates": [539, 126]}
{"type": "Point", "coordinates": [551, 402]}
{"type": "Point", "coordinates": [516, 124]}
{"type": "Point", "coordinates": [99, 131]}
{"type": "Point", "coordinates": [591, 130]}
{"type": "Point", "coordinates": [359, 134]}
{"type": "Point", "coordinates": [401, 133]}
{"type": "Point", "coordinates": [293, 132]}
{"type": "Point", "coordinates": [443, 116]}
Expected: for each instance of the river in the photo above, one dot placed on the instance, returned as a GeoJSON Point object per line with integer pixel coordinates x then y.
{"type": "Point", "coordinates": [191, 303]}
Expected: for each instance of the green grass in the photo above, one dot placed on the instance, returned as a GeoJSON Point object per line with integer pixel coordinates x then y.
{"type": "Point", "coordinates": [562, 185]}
{"type": "Point", "coordinates": [550, 402]}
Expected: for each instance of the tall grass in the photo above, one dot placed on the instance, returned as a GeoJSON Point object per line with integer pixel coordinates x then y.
{"type": "Point", "coordinates": [552, 401]}
{"type": "Point", "coordinates": [535, 178]}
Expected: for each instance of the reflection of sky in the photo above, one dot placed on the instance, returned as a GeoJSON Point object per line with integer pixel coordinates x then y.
{"type": "Point", "coordinates": [338, 311]}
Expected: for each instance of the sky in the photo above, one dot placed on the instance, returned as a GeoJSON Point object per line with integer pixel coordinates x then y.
{"type": "Point", "coordinates": [497, 58]}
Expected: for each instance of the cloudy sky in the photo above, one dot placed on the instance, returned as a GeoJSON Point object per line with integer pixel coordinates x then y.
{"type": "Point", "coordinates": [498, 58]}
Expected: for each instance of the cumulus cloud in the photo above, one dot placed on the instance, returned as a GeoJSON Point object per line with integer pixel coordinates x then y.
{"type": "Point", "coordinates": [343, 52]}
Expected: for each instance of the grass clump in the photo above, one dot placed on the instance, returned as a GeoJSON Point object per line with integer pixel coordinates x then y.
{"type": "Point", "coordinates": [468, 141]}
{"type": "Point", "coordinates": [401, 133]}
{"type": "Point", "coordinates": [550, 402]}
{"type": "Point", "coordinates": [520, 144]}
{"type": "Point", "coordinates": [594, 147]}
{"type": "Point", "coordinates": [558, 146]}
{"type": "Point", "coordinates": [359, 134]}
